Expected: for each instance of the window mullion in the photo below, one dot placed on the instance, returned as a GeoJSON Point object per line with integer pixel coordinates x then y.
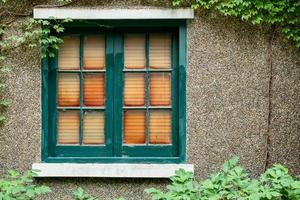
{"type": "Point", "coordinates": [118, 93]}
{"type": "Point", "coordinates": [81, 54]}
{"type": "Point", "coordinates": [147, 88]}
{"type": "Point", "coordinates": [109, 95]}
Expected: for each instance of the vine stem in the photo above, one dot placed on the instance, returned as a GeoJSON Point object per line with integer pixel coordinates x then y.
{"type": "Point", "coordinates": [270, 95]}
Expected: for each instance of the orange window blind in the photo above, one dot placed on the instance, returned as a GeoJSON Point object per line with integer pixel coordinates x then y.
{"type": "Point", "coordinates": [93, 128]}
{"type": "Point", "coordinates": [68, 127]}
{"type": "Point", "coordinates": [68, 90]}
{"type": "Point", "coordinates": [134, 127]}
{"type": "Point", "coordinates": [94, 52]}
{"type": "Point", "coordinates": [68, 54]}
{"type": "Point", "coordinates": [134, 51]}
{"type": "Point", "coordinates": [93, 90]}
{"type": "Point", "coordinates": [159, 127]}
{"type": "Point", "coordinates": [160, 51]}
{"type": "Point", "coordinates": [134, 89]}
{"type": "Point", "coordinates": [160, 89]}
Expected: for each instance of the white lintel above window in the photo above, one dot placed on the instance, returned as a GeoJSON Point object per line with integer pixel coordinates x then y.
{"type": "Point", "coordinates": [92, 13]}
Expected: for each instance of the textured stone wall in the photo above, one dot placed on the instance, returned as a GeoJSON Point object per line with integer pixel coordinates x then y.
{"type": "Point", "coordinates": [228, 101]}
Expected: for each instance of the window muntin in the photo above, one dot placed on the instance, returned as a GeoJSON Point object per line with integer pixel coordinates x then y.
{"type": "Point", "coordinates": [146, 88]}
{"type": "Point", "coordinates": [115, 70]}
{"type": "Point", "coordinates": [81, 91]}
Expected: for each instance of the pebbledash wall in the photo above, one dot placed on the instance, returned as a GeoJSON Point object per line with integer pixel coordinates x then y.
{"type": "Point", "coordinates": [228, 99]}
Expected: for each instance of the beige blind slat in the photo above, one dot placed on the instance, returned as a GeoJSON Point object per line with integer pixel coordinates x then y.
{"type": "Point", "coordinates": [94, 52]}
{"type": "Point", "coordinates": [134, 51]}
{"type": "Point", "coordinates": [68, 90]}
{"type": "Point", "coordinates": [134, 127]}
{"type": "Point", "coordinates": [160, 51]}
{"type": "Point", "coordinates": [160, 89]}
{"type": "Point", "coordinates": [93, 128]}
{"type": "Point", "coordinates": [68, 127]}
{"type": "Point", "coordinates": [93, 90]}
{"type": "Point", "coordinates": [160, 127]}
{"type": "Point", "coordinates": [134, 89]}
{"type": "Point", "coordinates": [68, 54]}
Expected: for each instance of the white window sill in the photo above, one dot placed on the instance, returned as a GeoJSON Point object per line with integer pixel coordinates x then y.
{"type": "Point", "coordinates": [116, 170]}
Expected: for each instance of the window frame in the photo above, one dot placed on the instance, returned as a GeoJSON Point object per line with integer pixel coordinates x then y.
{"type": "Point", "coordinates": [114, 54]}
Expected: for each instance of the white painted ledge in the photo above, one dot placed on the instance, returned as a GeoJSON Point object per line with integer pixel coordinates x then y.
{"type": "Point", "coordinates": [109, 170]}
{"type": "Point", "coordinates": [90, 13]}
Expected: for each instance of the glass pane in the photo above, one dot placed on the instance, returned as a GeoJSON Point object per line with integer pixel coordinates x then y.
{"type": "Point", "coordinates": [94, 52]}
{"type": "Point", "coordinates": [68, 127]}
{"type": "Point", "coordinates": [160, 51]}
{"type": "Point", "coordinates": [134, 51]}
{"type": "Point", "coordinates": [160, 89]}
{"type": "Point", "coordinates": [134, 127]}
{"type": "Point", "coordinates": [160, 127]}
{"type": "Point", "coordinates": [68, 54]}
{"type": "Point", "coordinates": [93, 128]}
{"type": "Point", "coordinates": [68, 90]}
{"type": "Point", "coordinates": [93, 90]}
{"type": "Point", "coordinates": [134, 89]}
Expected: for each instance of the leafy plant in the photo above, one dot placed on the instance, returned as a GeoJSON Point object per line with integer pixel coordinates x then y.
{"type": "Point", "coordinates": [80, 194]}
{"type": "Point", "coordinates": [282, 13]}
{"type": "Point", "coordinates": [232, 182]}
{"type": "Point", "coordinates": [33, 33]}
{"type": "Point", "coordinates": [16, 186]}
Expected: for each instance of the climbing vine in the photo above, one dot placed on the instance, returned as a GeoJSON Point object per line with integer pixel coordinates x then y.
{"type": "Point", "coordinates": [32, 33]}
{"type": "Point", "coordinates": [284, 14]}
{"type": "Point", "coordinates": [281, 13]}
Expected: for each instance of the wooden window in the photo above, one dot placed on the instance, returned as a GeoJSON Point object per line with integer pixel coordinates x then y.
{"type": "Point", "coordinates": [114, 97]}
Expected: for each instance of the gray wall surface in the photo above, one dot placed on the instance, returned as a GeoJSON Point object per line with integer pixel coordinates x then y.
{"type": "Point", "coordinates": [229, 102]}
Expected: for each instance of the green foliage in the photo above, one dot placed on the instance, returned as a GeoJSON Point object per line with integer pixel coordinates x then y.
{"type": "Point", "coordinates": [182, 187]}
{"type": "Point", "coordinates": [282, 13]}
{"type": "Point", "coordinates": [16, 186]}
{"type": "Point", "coordinates": [231, 183]}
{"type": "Point", "coordinates": [33, 34]}
{"type": "Point", "coordinates": [49, 39]}
{"type": "Point", "coordinates": [80, 194]}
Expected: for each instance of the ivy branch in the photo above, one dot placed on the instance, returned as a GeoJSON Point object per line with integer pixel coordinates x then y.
{"type": "Point", "coordinates": [32, 33]}
{"type": "Point", "coordinates": [284, 14]}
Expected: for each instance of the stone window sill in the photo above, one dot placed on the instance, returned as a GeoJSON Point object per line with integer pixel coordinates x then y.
{"type": "Point", "coordinates": [116, 170]}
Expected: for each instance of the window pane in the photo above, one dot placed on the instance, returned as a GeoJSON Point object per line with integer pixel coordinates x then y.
{"type": "Point", "coordinates": [134, 89]}
{"type": "Point", "coordinates": [68, 127]}
{"type": "Point", "coordinates": [68, 90]}
{"type": "Point", "coordinates": [160, 89]}
{"type": "Point", "coordinates": [160, 127]}
{"type": "Point", "coordinates": [94, 52]}
{"type": "Point", "coordinates": [134, 51]}
{"type": "Point", "coordinates": [93, 90]}
{"type": "Point", "coordinates": [160, 51]}
{"type": "Point", "coordinates": [68, 54]}
{"type": "Point", "coordinates": [93, 128]}
{"type": "Point", "coordinates": [134, 127]}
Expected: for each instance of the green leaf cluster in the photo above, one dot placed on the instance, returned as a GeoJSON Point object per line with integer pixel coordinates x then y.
{"type": "Point", "coordinates": [32, 34]}
{"type": "Point", "coordinates": [231, 183]}
{"type": "Point", "coordinates": [282, 13]}
{"type": "Point", "coordinates": [49, 39]}
{"type": "Point", "coordinates": [16, 186]}
{"type": "Point", "coordinates": [81, 194]}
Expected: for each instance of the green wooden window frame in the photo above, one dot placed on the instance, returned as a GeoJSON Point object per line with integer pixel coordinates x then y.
{"type": "Point", "coordinates": [114, 150]}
